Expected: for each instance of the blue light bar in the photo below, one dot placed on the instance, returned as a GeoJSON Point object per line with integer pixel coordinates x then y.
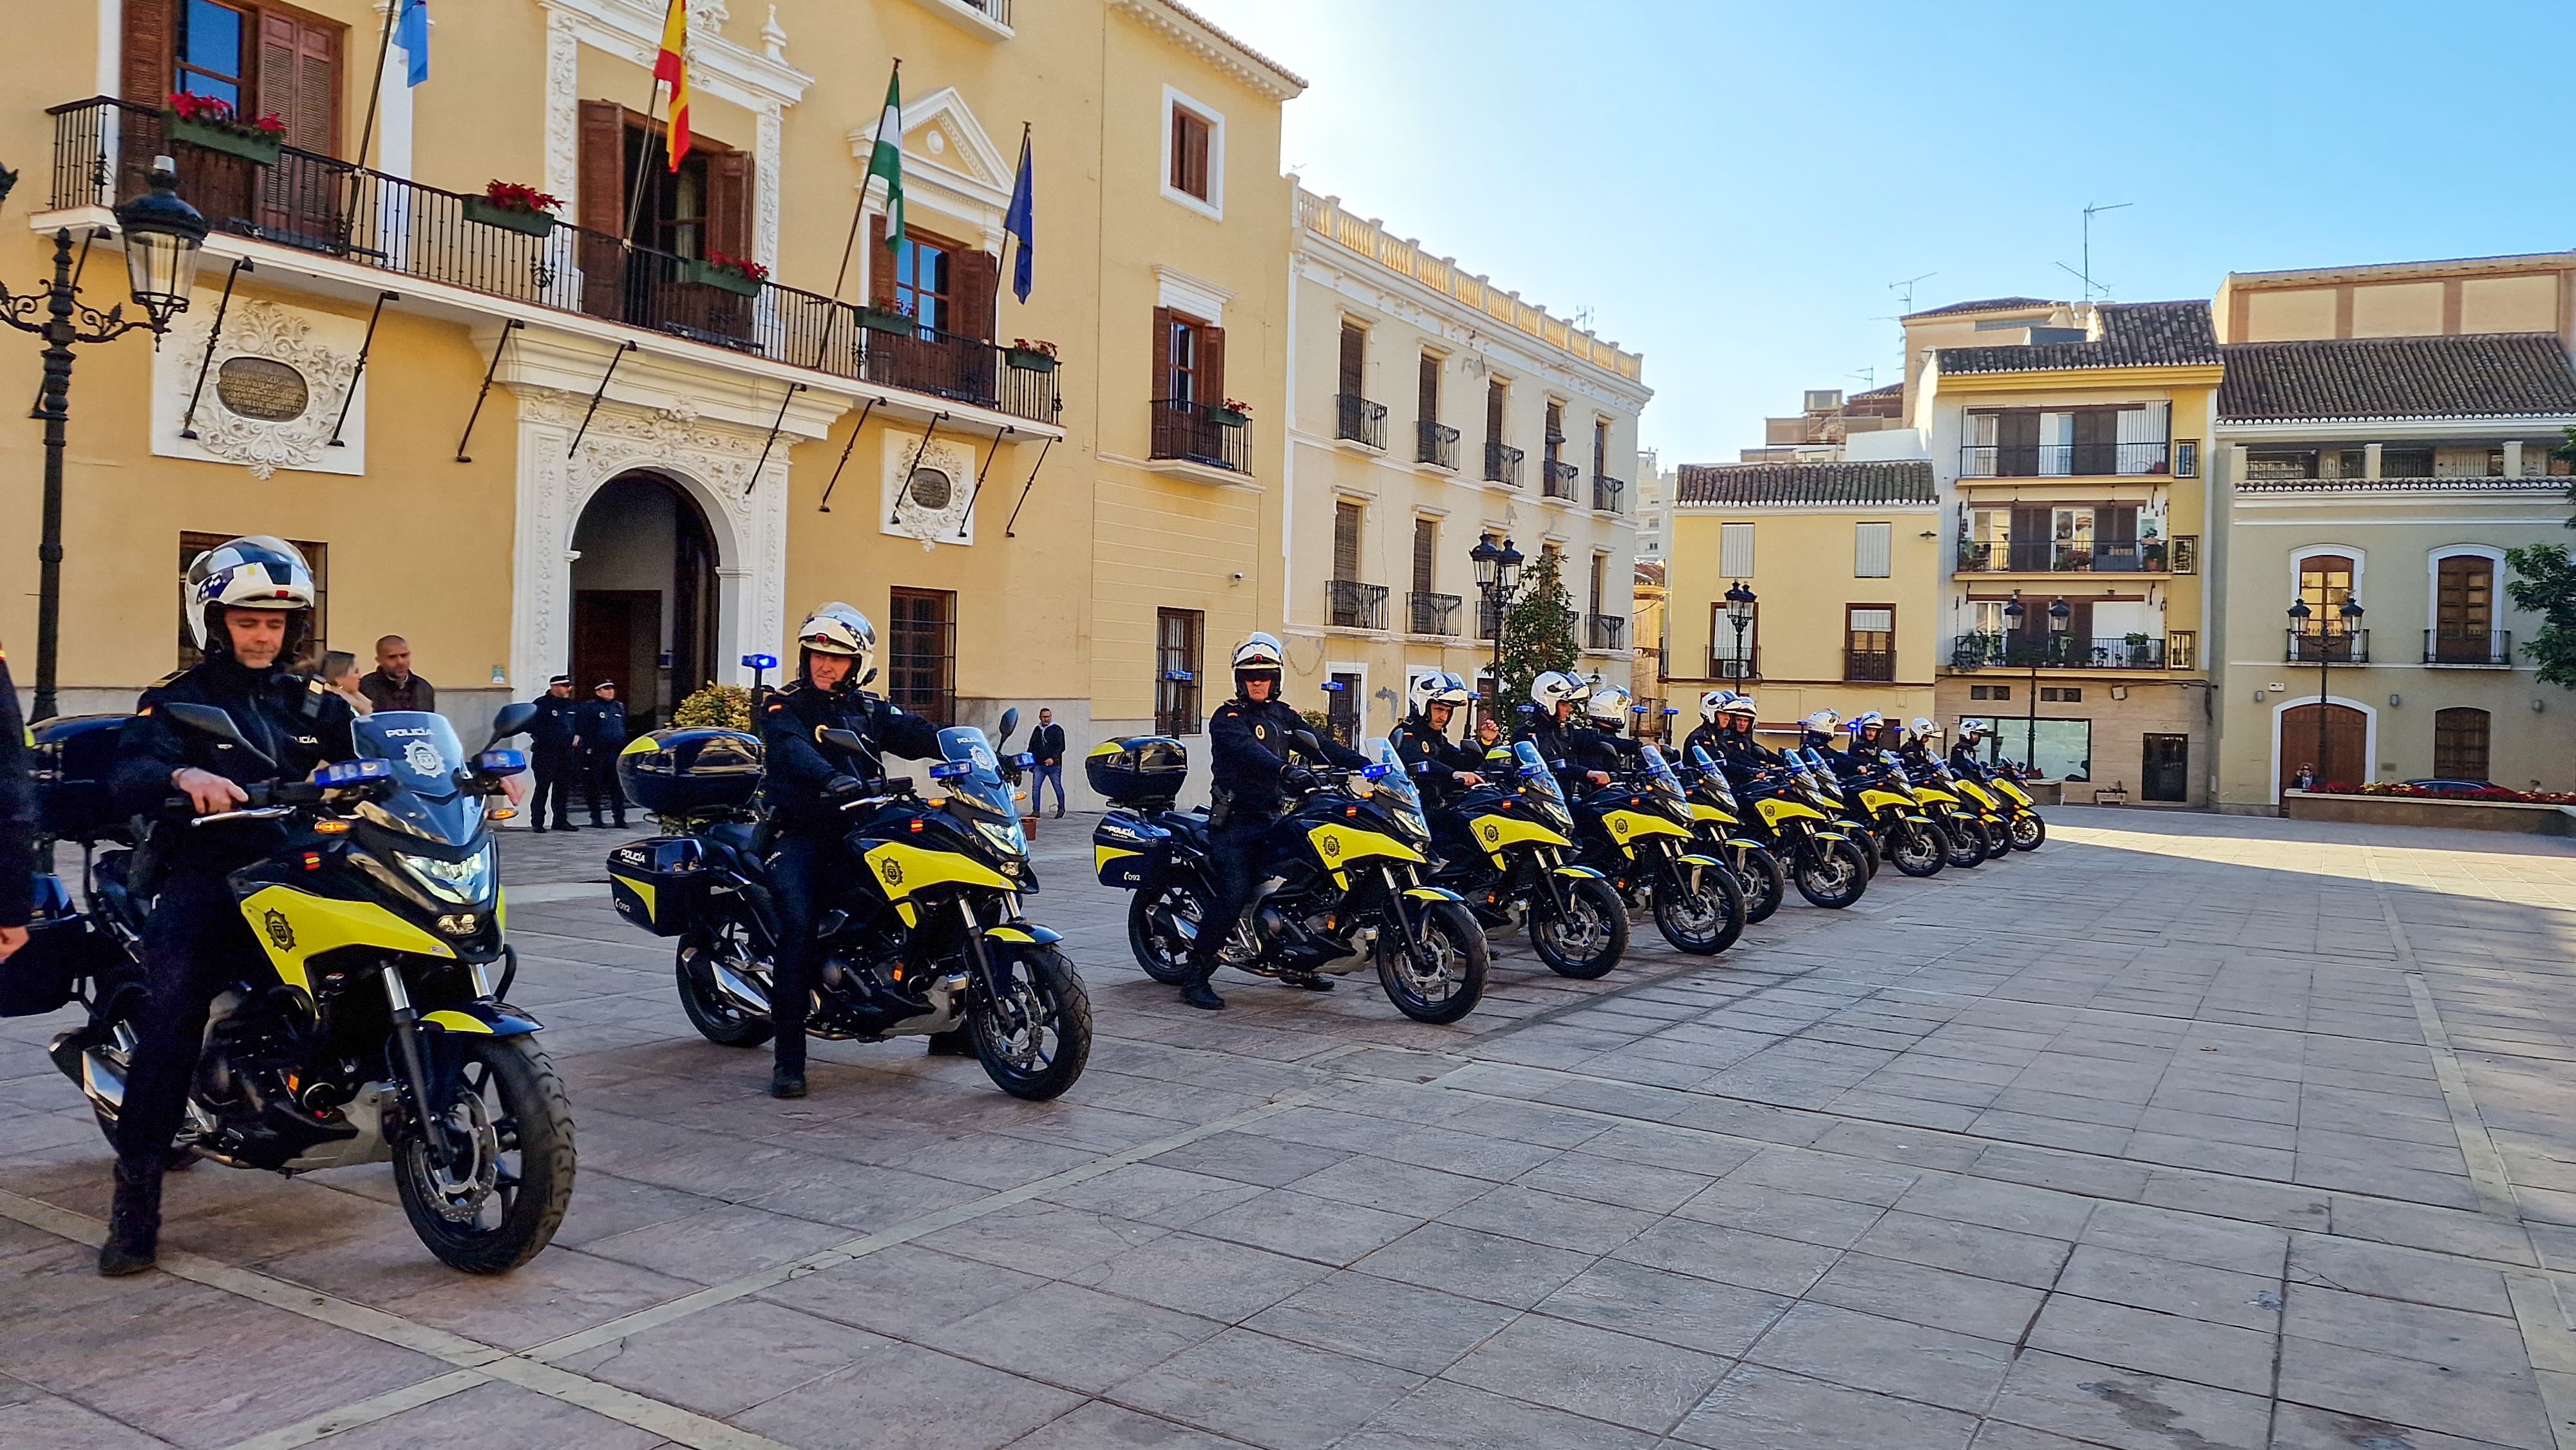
{"type": "Point", "coordinates": [1377, 772]}
{"type": "Point", "coordinates": [501, 762]}
{"type": "Point", "coordinates": [760, 662]}
{"type": "Point", "coordinates": [949, 771]}
{"type": "Point", "coordinates": [1024, 760]}
{"type": "Point", "coordinates": [342, 773]}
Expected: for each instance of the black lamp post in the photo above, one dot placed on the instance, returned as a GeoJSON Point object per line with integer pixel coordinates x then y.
{"type": "Point", "coordinates": [1498, 579]}
{"type": "Point", "coordinates": [162, 237]}
{"type": "Point", "coordinates": [2351, 612]}
{"type": "Point", "coordinates": [1739, 612]}
{"type": "Point", "coordinates": [2058, 614]}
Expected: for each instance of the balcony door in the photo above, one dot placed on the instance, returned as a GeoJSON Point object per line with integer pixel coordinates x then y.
{"type": "Point", "coordinates": [2345, 736]}
{"type": "Point", "coordinates": [2463, 608]}
{"type": "Point", "coordinates": [2325, 582]}
{"type": "Point", "coordinates": [702, 210]}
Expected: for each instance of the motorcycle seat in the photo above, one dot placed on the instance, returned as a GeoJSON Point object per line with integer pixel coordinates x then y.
{"type": "Point", "coordinates": [1192, 828]}
{"type": "Point", "coordinates": [736, 838]}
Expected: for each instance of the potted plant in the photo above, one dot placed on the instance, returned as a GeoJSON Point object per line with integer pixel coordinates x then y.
{"type": "Point", "coordinates": [1232, 413]}
{"type": "Point", "coordinates": [513, 207]}
{"type": "Point", "coordinates": [211, 122]}
{"type": "Point", "coordinates": [893, 320]}
{"type": "Point", "coordinates": [1030, 357]}
{"type": "Point", "coordinates": [2137, 644]}
{"type": "Point", "coordinates": [739, 275]}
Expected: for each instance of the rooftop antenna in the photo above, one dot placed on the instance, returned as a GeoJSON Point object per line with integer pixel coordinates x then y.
{"type": "Point", "coordinates": [1868, 376]}
{"type": "Point", "coordinates": [2086, 275]}
{"type": "Point", "coordinates": [1907, 288]}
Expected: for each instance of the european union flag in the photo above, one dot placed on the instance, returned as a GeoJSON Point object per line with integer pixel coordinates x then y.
{"type": "Point", "coordinates": [413, 31]}
{"type": "Point", "coordinates": [1022, 221]}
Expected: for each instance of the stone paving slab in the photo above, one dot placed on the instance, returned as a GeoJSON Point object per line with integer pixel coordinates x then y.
{"type": "Point", "coordinates": [2186, 1131]}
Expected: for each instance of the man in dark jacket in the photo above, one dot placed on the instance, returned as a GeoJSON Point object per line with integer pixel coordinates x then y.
{"type": "Point", "coordinates": [391, 685]}
{"type": "Point", "coordinates": [1570, 750]}
{"type": "Point", "coordinates": [1047, 744]}
{"type": "Point", "coordinates": [1253, 775]}
{"type": "Point", "coordinates": [249, 602]}
{"type": "Point", "coordinates": [17, 822]}
{"type": "Point", "coordinates": [599, 732]}
{"type": "Point", "coordinates": [551, 737]}
{"type": "Point", "coordinates": [805, 789]}
{"type": "Point", "coordinates": [1421, 740]}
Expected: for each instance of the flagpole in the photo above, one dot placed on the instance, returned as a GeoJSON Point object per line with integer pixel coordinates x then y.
{"type": "Point", "coordinates": [859, 213]}
{"type": "Point", "coordinates": [653, 97]}
{"type": "Point", "coordinates": [375, 93]}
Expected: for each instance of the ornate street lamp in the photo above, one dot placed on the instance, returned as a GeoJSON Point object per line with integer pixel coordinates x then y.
{"type": "Point", "coordinates": [163, 236]}
{"type": "Point", "coordinates": [1739, 612]}
{"type": "Point", "coordinates": [1498, 579]}
{"type": "Point", "coordinates": [2350, 611]}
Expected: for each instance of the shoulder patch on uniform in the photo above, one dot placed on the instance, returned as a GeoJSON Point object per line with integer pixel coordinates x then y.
{"type": "Point", "coordinates": [166, 681]}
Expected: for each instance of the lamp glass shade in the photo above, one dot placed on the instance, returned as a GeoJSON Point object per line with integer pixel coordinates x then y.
{"type": "Point", "coordinates": [2351, 610]}
{"type": "Point", "coordinates": [1510, 562]}
{"type": "Point", "coordinates": [1739, 604]}
{"type": "Point", "coordinates": [1487, 558]}
{"type": "Point", "coordinates": [164, 237]}
{"type": "Point", "coordinates": [2014, 609]}
{"type": "Point", "coordinates": [2059, 613]}
{"type": "Point", "coordinates": [2299, 610]}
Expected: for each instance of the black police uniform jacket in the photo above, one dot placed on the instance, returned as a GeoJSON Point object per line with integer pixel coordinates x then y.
{"type": "Point", "coordinates": [1250, 746]}
{"type": "Point", "coordinates": [1708, 737]}
{"type": "Point", "coordinates": [1964, 762]}
{"type": "Point", "coordinates": [552, 731]}
{"type": "Point", "coordinates": [1569, 750]}
{"type": "Point", "coordinates": [799, 766]}
{"type": "Point", "coordinates": [17, 811]}
{"type": "Point", "coordinates": [299, 723]}
{"type": "Point", "coordinates": [601, 724]}
{"type": "Point", "coordinates": [1419, 746]}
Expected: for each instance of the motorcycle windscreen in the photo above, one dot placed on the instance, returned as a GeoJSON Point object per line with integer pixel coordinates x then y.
{"type": "Point", "coordinates": [429, 798]}
{"type": "Point", "coordinates": [1700, 761]}
{"type": "Point", "coordinates": [1393, 782]}
{"type": "Point", "coordinates": [1536, 778]}
{"type": "Point", "coordinates": [976, 790]}
{"type": "Point", "coordinates": [1659, 772]}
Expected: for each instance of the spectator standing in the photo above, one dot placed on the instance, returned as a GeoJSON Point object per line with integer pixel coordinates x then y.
{"type": "Point", "coordinates": [17, 822]}
{"type": "Point", "coordinates": [599, 732]}
{"type": "Point", "coordinates": [340, 672]}
{"type": "Point", "coordinates": [1047, 744]}
{"type": "Point", "coordinates": [392, 685]}
{"type": "Point", "coordinates": [552, 734]}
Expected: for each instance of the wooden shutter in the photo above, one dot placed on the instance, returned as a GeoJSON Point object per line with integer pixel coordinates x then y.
{"type": "Point", "coordinates": [1493, 412]}
{"type": "Point", "coordinates": [975, 287]}
{"type": "Point", "coordinates": [1162, 384]}
{"type": "Point", "coordinates": [1212, 365]}
{"type": "Point", "coordinates": [729, 193]}
{"type": "Point", "coordinates": [1427, 403]}
{"type": "Point", "coordinates": [299, 79]}
{"type": "Point", "coordinates": [880, 265]}
{"type": "Point", "coordinates": [1346, 540]}
{"type": "Point", "coordinates": [1354, 359]}
{"type": "Point", "coordinates": [1426, 546]}
{"type": "Point", "coordinates": [602, 203]}
{"type": "Point", "coordinates": [2464, 601]}
{"type": "Point", "coordinates": [151, 46]}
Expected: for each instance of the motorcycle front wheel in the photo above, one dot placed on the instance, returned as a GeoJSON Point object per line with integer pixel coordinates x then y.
{"type": "Point", "coordinates": [1865, 841]}
{"type": "Point", "coordinates": [1154, 917]}
{"type": "Point", "coordinates": [1998, 841]}
{"type": "Point", "coordinates": [1035, 1036]}
{"type": "Point", "coordinates": [2028, 830]}
{"type": "Point", "coordinates": [1765, 881]}
{"type": "Point", "coordinates": [1443, 978]}
{"type": "Point", "coordinates": [1967, 838]}
{"type": "Point", "coordinates": [1919, 850]}
{"type": "Point", "coordinates": [498, 1199]}
{"type": "Point", "coordinates": [1589, 938]}
{"type": "Point", "coordinates": [1702, 920]}
{"type": "Point", "coordinates": [1832, 874]}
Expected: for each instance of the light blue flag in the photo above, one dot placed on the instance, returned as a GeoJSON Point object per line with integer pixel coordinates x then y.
{"type": "Point", "coordinates": [413, 31]}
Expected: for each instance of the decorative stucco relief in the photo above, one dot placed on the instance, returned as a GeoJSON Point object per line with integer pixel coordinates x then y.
{"type": "Point", "coordinates": [272, 391]}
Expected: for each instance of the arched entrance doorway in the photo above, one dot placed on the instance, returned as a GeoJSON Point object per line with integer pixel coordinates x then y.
{"type": "Point", "coordinates": [643, 596]}
{"type": "Point", "coordinates": [2345, 759]}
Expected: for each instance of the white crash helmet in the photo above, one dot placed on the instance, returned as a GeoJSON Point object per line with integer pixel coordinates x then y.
{"type": "Point", "coordinates": [256, 572]}
{"type": "Point", "coordinates": [1260, 656]}
{"type": "Point", "coordinates": [1608, 704]}
{"type": "Point", "coordinates": [1714, 703]}
{"type": "Point", "coordinates": [1860, 724]}
{"type": "Point", "coordinates": [1924, 727]}
{"type": "Point", "coordinates": [1553, 688]}
{"type": "Point", "coordinates": [1436, 687]}
{"type": "Point", "coordinates": [838, 629]}
{"type": "Point", "coordinates": [1823, 722]}
{"type": "Point", "coordinates": [1739, 705]}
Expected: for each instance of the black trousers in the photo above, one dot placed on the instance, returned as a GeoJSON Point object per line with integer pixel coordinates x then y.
{"type": "Point", "coordinates": [599, 776]}
{"type": "Point", "coordinates": [1234, 853]}
{"type": "Point", "coordinates": [796, 883]}
{"type": "Point", "coordinates": [554, 767]}
{"type": "Point", "coordinates": [195, 945]}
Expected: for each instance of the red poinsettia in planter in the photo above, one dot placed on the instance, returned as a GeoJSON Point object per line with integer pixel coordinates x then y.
{"type": "Point", "coordinates": [1232, 413]}
{"type": "Point", "coordinates": [517, 208]}
{"type": "Point", "coordinates": [740, 275]}
{"type": "Point", "coordinates": [212, 123]}
{"type": "Point", "coordinates": [1030, 357]}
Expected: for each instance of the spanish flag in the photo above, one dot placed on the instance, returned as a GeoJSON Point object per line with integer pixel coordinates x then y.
{"type": "Point", "coordinates": [672, 67]}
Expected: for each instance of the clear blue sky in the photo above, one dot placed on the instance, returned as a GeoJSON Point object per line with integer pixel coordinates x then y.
{"type": "Point", "coordinates": [1730, 187]}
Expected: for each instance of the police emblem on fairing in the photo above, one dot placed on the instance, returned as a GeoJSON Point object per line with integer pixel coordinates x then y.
{"type": "Point", "coordinates": [423, 759]}
{"type": "Point", "coordinates": [279, 929]}
{"type": "Point", "coordinates": [1332, 846]}
{"type": "Point", "coordinates": [891, 871]}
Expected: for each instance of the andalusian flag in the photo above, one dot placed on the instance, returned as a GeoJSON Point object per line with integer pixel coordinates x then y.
{"type": "Point", "coordinates": [671, 67]}
{"type": "Point", "coordinates": [887, 159]}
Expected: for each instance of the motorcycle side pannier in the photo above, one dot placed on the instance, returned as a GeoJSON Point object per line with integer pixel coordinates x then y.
{"type": "Point", "coordinates": [69, 769]}
{"type": "Point", "coordinates": [1144, 771]}
{"type": "Point", "coordinates": [659, 883]}
{"type": "Point", "coordinates": [690, 771]}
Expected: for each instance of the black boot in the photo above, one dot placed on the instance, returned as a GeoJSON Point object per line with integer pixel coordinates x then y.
{"type": "Point", "coordinates": [134, 1223]}
{"type": "Point", "coordinates": [787, 1082]}
{"type": "Point", "coordinates": [1197, 993]}
{"type": "Point", "coordinates": [955, 1042]}
{"type": "Point", "coordinates": [1307, 981]}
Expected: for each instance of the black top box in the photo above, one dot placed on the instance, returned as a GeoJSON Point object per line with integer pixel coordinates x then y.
{"type": "Point", "coordinates": [691, 771]}
{"type": "Point", "coordinates": [1140, 770]}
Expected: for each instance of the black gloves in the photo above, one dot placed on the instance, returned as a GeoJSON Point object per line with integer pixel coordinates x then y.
{"type": "Point", "coordinates": [1298, 778]}
{"type": "Point", "coordinates": [842, 787]}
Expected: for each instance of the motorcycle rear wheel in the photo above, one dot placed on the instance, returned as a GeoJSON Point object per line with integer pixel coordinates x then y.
{"type": "Point", "coordinates": [1034, 1041]}
{"type": "Point", "coordinates": [1588, 941]}
{"type": "Point", "coordinates": [1765, 881]}
{"type": "Point", "coordinates": [1456, 960]}
{"type": "Point", "coordinates": [1152, 932]}
{"type": "Point", "coordinates": [716, 1016]}
{"type": "Point", "coordinates": [495, 1214]}
{"type": "Point", "coordinates": [1920, 851]}
{"type": "Point", "coordinates": [2028, 831]}
{"type": "Point", "coordinates": [1833, 874]}
{"type": "Point", "coordinates": [1701, 923]}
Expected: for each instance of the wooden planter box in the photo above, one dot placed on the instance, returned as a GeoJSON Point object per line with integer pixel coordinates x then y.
{"type": "Point", "coordinates": [1028, 362]}
{"type": "Point", "coordinates": [876, 319]}
{"type": "Point", "coordinates": [2403, 810]}
{"type": "Point", "coordinates": [491, 214]}
{"type": "Point", "coordinates": [1229, 417]}
{"type": "Point", "coordinates": [256, 148]}
{"type": "Point", "coordinates": [723, 279]}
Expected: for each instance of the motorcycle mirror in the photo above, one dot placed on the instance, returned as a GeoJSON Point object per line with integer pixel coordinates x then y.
{"type": "Point", "coordinates": [842, 740]}
{"type": "Point", "coordinates": [213, 723]}
{"type": "Point", "coordinates": [1010, 721]}
{"type": "Point", "coordinates": [1307, 741]}
{"type": "Point", "coordinates": [514, 719]}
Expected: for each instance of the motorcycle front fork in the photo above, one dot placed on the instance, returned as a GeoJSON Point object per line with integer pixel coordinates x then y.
{"type": "Point", "coordinates": [414, 1063]}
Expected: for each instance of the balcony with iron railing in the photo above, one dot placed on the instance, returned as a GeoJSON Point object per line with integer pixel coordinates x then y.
{"type": "Point", "coordinates": [1357, 420]}
{"type": "Point", "coordinates": [1869, 666]}
{"type": "Point", "coordinates": [1556, 480]}
{"type": "Point", "coordinates": [1725, 664]}
{"type": "Point", "coordinates": [1489, 620]}
{"type": "Point", "coordinates": [1503, 464]}
{"type": "Point", "coordinates": [103, 152]}
{"type": "Point", "coordinates": [1608, 493]}
{"type": "Point", "coordinates": [1435, 444]}
{"type": "Point", "coordinates": [2148, 556]}
{"type": "Point", "coordinates": [2065, 460]}
{"type": "Point", "coordinates": [1189, 431]}
{"type": "Point", "coordinates": [2452, 645]}
{"type": "Point", "coordinates": [1353, 605]}
{"type": "Point", "coordinates": [1433, 613]}
{"type": "Point", "coordinates": [2337, 647]}
{"type": "Point", "coordinates": [2060, 652]}
{"type": "Point", "coordinates": [1607, 632]}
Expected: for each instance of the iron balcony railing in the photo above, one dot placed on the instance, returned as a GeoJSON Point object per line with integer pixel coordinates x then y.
{"type": "Point", "coordinates": [1723, 663]}
{"type": "Point", "coordinates": [1435, 444]}
{"type": "Point", "coordinates": [2058, 652]}
{"type": "Point", "coordinates": [2455, 646]}
{"type": "Point", "coordinates": [1557, 480]}
{"type": "Point", "coordinates": [2064, 460]}
{"type": "Point", "coordinates": [997, 11]}
{"type": "Point", "coordinates": [1869, 665]}
{"type": "Point", "coordinates": [1192, 432]}
{"type": "Point", "coordinates": [103, 152]}
{"type": "Point", "coordinates": [1359, 420]}
{"type": "Point", "coordinates": [1433, 613]}
{"type": "Point", "coordinates": [1489, 620]}
{"type": "Point", "coordinates": [1609, 631]}
{"type": "Point", "coordinates": [1503, 464]}
{"type": "Point", "coordinates": [1608, 493]}
{"type": "Point", "coordinates": [2340, 647]}
{"type": "Point", "coordinates": [1355, 605]}
{"type": "Point", "coordinates": [2045, 557]}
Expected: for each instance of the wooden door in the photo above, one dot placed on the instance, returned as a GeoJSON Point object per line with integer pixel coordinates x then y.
{"type": "Point", "coordinates": [2343, 764]}
{"type": "Point", "coordinates": [2464, 609]}
{"type": "Point", "coordinates": [612, 630]}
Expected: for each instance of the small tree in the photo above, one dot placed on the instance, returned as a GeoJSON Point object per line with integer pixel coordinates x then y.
{"type": "Point", "coordinates": [2544, 583]}
{"type": "Point", "coordinates": [725, 707]}
{"type": "Point", "coordinates": [1538, 631]}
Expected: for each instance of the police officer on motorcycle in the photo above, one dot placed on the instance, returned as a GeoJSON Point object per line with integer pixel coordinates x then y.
{"type": "Point", "coordinates": [1963, 753]}
{"type": "Point", "coordinates": [1922, 742]}
{"type": "Point", "coordinates": [1738, 753]}
{"type": "Point", "coordinates": [807, 786]}
{"type": "Point", "coordinates": [1421, 739]}
{"type": "Point", "coordinates": [1253, 740]}
{"type": "Point", "coordinates": [1868, 734]}
{"type": "Point", "coordinates": [1574, 753]}
{"type": "Point", "coordinates": [249, 602]}
{"type": "Point", "coordinates": [1711, 732]}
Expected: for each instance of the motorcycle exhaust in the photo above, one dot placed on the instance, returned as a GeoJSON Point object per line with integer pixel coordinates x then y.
{"type": "Point", "coordinates": [739, 990]}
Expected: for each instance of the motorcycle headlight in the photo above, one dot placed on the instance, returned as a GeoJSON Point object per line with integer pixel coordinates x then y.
{"type": "Point", "coordinates": [467, 883]}
{"type": "Point", "coordinates": [1004, 837]}
{"type": "Point", "coordinates": [1410, 821]}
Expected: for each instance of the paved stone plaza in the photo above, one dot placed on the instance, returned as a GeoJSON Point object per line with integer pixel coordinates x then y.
{"type": "Point", "coordinates": [2185, 1133]}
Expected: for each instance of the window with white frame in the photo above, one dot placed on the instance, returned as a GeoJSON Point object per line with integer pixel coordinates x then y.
{"type": "Point", "coordinates": [1872, 546]}
{"type": "Point", "coordinates": [1193, 154]}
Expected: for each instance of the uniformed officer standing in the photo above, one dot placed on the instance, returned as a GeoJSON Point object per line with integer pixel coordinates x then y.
{"type": "Point", "coordinates": [1252, 740]}
{"type": "Point", "coordinates": [599, 731]}
{"type": "Point", "coordinates": [552, 734]}
{"type": "Point", "coordinates": [17, 823]}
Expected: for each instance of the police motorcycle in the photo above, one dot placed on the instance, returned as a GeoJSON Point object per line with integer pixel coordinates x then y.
{"type": "Point", "coordinates": [2013, 808]}
{"type": "Point", "coordinates": [1936, 789]}
{"type": "Point", "coordinates": [1640, 832]}
{"type": "Point", "coordinates": [926, 939]}
{"type": "Point", "coordinates": [1340, 885]}
{"type": "Point", "coordinates": [1718, 821]}
{"type": "Point", "coordinates": [1884, 800]}
{"type": "Point", "coordinates": [1516, 869]}
{"type": "Point", "coordinates": [1799, 820]}
{"type": "Point", "coordinates": [378, 1032]}
{"type": "Point", "coordinates": [1818, 775]}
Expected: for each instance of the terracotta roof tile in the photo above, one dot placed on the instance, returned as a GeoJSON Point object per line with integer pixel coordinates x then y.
{"type": "Point", "coordinates": [2134, 334]}
{"type": "Point", "coordinates": [2481, 375]}
{"type": "Point", "coordinates": [1902, 482]}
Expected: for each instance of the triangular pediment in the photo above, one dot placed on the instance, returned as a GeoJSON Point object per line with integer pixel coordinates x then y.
{"type": "Point", "coordinates": [945, 146]}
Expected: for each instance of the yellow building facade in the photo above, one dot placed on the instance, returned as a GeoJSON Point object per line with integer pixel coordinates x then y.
{"type": "Point", "coordinates": [671, 457]}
